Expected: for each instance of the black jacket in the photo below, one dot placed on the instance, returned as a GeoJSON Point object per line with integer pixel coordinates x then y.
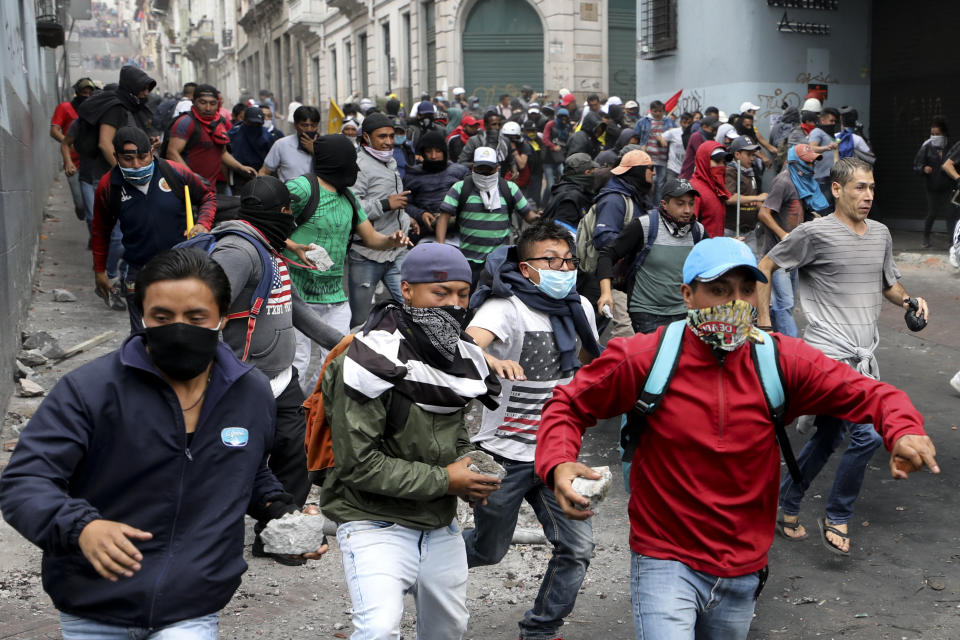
{"type": "Point", "coordinates": [109, 441]}
{"type": "Point", "coordinates": [585, 141]}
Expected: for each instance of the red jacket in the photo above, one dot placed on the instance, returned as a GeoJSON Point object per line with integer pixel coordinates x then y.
{"type": "Point", "coordinates": [705, 475]}
{"type": "Point", "coordinates": [710, 206]}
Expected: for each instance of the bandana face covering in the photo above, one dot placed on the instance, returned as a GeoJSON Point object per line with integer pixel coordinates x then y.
{"type": "Point", "coordinates": [441, 325]}
{"type": "Point", "coordinates": [726, 326]}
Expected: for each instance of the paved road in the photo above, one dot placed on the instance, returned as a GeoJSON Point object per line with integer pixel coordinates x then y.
{"type": "Point", "coordinates": [901, 581]}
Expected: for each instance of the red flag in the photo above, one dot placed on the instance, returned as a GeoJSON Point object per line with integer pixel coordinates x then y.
{"type": "Point", "coordinates": [671, 103]}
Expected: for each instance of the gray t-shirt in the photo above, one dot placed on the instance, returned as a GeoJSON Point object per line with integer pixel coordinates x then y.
{"type": "Point", "coordinates": [784, 204]}
{"type": "Point", "coordinates": [656, 288]}
{"type": "Point", "coordinates": [842, 279]}
{"type": "Point", "coordinates": [288, 159]}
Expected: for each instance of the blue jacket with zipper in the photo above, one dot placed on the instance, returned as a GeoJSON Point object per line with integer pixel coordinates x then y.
{"type": "Point", "coordinates": [110, 442]}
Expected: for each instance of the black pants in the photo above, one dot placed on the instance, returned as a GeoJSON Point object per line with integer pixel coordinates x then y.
{"type": "Point", "coordinates": [288, 457]}
{"type": "Point", "coordinates": [650, 322]}
{"type": "Point", "coordinates": [939, 206]}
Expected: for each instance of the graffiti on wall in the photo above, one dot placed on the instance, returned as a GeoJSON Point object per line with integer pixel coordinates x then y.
{"type": "Point", "coordinates": [808, 78]}
{"type": "Point", "coordinates": [777, 101]}
{"type": "Point", "coordinates": [691, 100]}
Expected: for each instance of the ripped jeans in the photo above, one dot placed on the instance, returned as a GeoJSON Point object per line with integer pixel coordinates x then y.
{"type": "Point", "coordinates": [363, 278]}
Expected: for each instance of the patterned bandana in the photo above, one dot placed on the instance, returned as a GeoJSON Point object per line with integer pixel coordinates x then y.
{"type": "Point", "coordinates": [440, 326]}
{"type": "Point", "coordinates": [726, 326]}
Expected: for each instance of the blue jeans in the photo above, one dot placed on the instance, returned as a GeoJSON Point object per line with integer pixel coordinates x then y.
{"type": "Point", "coordinates": [572, 544]}
{"type": "Point", "coordinates": [671, 601]}
{"type": "Point", "coordinates": [363, 278]}
{"type": "Point", "coordinates": [781, 302]}
{"type": "Point", "coordinates": [202, 628]}
{"type": "Point", "coordinates": [659, 181]}
{"type": "Point", "coordinates": [115, 252]}
{"type": "Point", "coordinates": [551, 173]}
{"type": "Point", "coordinates": [864, 440]}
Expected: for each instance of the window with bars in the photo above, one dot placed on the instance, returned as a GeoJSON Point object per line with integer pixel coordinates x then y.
{"type": "Point", "coordinates": [658, 28]}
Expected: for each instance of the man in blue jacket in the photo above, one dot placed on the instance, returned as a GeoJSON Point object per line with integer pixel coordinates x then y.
{"type": "Point", "coordinates": [429, 181]}
{"type": "Point", "coordinates": [136, 471]}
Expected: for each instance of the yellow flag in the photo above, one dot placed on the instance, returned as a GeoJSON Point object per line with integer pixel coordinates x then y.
{"type": "Point", "coordinates": [335, 121]}
{"type": "Point", "coordinates": [186, 198]}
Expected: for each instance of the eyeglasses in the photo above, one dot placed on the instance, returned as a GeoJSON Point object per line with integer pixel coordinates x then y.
{"type": "Point", "coordinates": [557, 263]}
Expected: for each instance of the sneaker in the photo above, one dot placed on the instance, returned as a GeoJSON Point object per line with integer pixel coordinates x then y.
{"type": "Point", "coordinates": [954, 256]}
{"type": "Point", "coordinates": [117, 301]}
{"type": "Point", "coordinates": [955, 381]}
{"type": "Point", "coordinates": [290, 561]}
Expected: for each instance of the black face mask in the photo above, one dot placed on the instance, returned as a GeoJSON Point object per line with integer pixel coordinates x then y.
{"type": "Point", "coordinates": [182, 351]}
{"type": "Point", "coordinates": [829, 129]}
{"type": "Point", "coordinates": [744, 130]}
{"type": "Point", "coordinates": [275, 226]}
{"type": "Point", "coordinates": [707, 135]}
{"type": "Point", "coordinates": [346, 177]}
{"type": "Point", "coordinates": [434, 166]}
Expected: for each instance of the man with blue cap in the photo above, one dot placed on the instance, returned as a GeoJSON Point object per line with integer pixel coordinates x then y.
{"type": "Point", "coordinates": [395, 401]}
{"type": "Point", "coordinates": [706, 469]}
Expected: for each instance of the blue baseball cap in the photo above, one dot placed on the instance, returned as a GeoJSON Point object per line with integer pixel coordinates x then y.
{"type": "Point", "coordinates": [435, 262]}
{"type": "Point", "coordinates": [713, 257]}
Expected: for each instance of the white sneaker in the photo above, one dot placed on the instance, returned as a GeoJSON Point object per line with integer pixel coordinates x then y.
{"type": "Point", "coordinates": [955, 381]}
{"type": "Point", "coordinates": [954, 256]}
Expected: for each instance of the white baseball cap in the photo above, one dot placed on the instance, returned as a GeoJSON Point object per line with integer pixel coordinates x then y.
{"type": "Point", "coordinates": [748, 106]}
{"type": "Point", "coordinates": [631, 104]}
{"type": "Point", "coordinates": [722, 116]}
{"type": "Point", "coordinates": [459, 91]}
{"type": "Point", "coordinates": [485, 156]}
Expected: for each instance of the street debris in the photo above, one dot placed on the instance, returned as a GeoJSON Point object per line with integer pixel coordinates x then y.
{"type": "Point", "coordinates": [27, 388]}
{"type": "Point", "coordinates": [23, 371]}
{"type": "Point", "coordinates": [45, 343]}
{"type": "Point", "coordinates": [63, 295]}
{"type": "Point", "coordinates": [293, 534]}
{"type": "Point", "coordinates": [32, 357]}
{"type": "Point", "coordinates": [87, 344]}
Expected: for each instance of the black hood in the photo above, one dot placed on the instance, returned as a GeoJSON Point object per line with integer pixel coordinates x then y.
{"type": "Point", "coordinates": [590, 123]}
{"type": "Point", "coordinates": [790, 116]}
{"type": "Point", "coordinates": [134, 80]}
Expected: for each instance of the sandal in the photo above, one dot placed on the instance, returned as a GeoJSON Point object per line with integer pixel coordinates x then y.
{"type": "Point", "coordinates": [824, 528]}
{"type": "Point", "coordinates": [782, 525]}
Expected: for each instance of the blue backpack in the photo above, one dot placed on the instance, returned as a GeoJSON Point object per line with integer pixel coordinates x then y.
{"type": "Point", "coordinates": [767, 364]}
{"type": "Point", "coordinates": [208, 242]}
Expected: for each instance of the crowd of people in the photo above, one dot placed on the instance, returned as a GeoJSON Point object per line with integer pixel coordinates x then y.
{"type": "Point", "coordinates": [105, 23]}
{"type": "Point", "coordinates": [504, 242]}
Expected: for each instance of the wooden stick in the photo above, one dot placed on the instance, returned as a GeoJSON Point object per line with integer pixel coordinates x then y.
{"type": "Point", "coordinates": [87, 344]}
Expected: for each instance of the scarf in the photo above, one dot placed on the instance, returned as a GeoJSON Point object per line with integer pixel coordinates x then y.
{"type": "Point", "coordinates": [458, 132]}
{"type": "Point", "coordinates": [335, 160]}
{"type": "Point", "coordinates": [845, 147]}
{"type": "Point", "coordinates": [567, 317]}
{"type": "Point", "coordinates": [489, 188]}
{"type": "Point", "coordinates": [391, 352]}
{"type": "Point", "coordinates": [801, 174]}
{"type": "Point", "coordinates": [454, 115]}
{"type": "Point", "coordinates": [715, 181]}
{"type": "Point", "coordinates": [215, 126]}
{"type": "Point", "coordinates": [807, 127]}
{"type": "Point", "coordinates": [439, 326]}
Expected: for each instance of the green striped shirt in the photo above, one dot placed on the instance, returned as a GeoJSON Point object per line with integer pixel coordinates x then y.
{"type": "Point", "coordinates": [482, 231]}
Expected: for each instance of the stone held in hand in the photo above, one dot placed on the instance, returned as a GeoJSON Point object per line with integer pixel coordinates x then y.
{"type": "Point", "coordinates": [294, 534]}
{"type": "Point", "coordinates": [27, 388]}
{"type": "Point", "coordinates": [594, 490]}
{"type": "Point", "coordinates": [483, 462]}
{"type": "Point", "coordinates": [319, 257]}
{"type": "Point", "coordinates": [63, 295]}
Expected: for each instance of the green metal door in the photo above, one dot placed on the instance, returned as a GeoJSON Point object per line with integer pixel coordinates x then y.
{"type": "Point", "coordinates": [430, 21]}
{"type": "Point", "coordinates": [622, 48]}
{"type": "Point", "coordinates": [502, 49]}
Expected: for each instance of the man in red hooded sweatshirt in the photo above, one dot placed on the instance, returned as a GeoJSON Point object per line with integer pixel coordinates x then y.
{"type": "Point", "coordinates": [469, 126]}
{"type": "Point", "coordinates": [709, 180]}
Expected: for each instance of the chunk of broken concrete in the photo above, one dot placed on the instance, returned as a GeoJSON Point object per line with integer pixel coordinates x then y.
{"type": "Point", "coordinates": [319, 257]}
{"type": "Point", "coordinates": [27, 388]}
{"type": "Point", "coordinates": [62, 295]}
{"type": "Point", "coordinates": [23, 371]}
{"type": "Point", "coordinates": [293, 534]}
{"type": "Point", "coordinates": [483, 462]}
{"type": "Point", "coordinates": [594, 490]}
{"type": "Point", "coordinates": [32, 357]}
{"type": "Point", "coordinates": [45, 343]}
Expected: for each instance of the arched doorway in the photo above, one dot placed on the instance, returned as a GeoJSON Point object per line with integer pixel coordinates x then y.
{"type": "Point", "coordinates": [502, 49]}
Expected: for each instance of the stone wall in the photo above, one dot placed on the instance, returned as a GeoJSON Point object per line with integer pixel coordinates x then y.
{"type": "Point", "coordinates": [28, 166]}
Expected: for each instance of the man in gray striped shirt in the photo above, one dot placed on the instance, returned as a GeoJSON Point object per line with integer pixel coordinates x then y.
{"type": "Point", "coordinates": [846, 269]}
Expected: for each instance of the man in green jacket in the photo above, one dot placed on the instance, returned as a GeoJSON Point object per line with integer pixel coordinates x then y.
{"type": "Point", "coordinates": [395, 401]}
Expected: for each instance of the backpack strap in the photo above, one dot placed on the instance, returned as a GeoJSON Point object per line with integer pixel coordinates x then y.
{"type": "Point", "coordinates": [260, 293]}
{"type": "Point", "coordinates": [508, 196]}
{"type": "Point", "coordinates": [465, 190]}
{"type": "Point", "coordinates": [311, 206]}
{"type": "Point", "coordinates": [766, 360]}
{"type": "Point", "coordinates": [654, 217]}
{"type": "Point", "coordinates": [627, 209]}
